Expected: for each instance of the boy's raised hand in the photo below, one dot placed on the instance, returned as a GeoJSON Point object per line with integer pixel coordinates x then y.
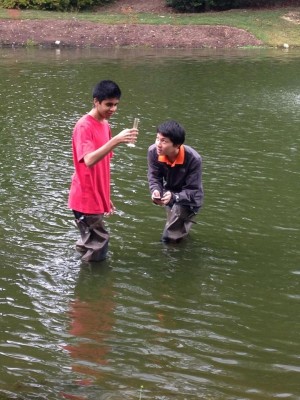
{"type": "Point", "coordinates": [128, 135]}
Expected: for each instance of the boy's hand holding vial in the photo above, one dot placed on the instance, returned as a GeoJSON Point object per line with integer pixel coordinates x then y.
{"type": "Point", "coordinates": [161, 200]}
{"type": "Point", "coordinates": [129, 136]}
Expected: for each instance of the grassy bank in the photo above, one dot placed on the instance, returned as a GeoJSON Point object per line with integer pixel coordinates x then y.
{"type": "Point", "coordinates": [270, 26]}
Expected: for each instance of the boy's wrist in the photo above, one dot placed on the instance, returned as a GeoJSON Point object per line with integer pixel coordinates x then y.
{"type": "Point", "coordinates": [175, 197]}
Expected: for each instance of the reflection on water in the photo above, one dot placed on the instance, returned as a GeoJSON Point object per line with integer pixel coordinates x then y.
{"type": "Point", "coordinates": [215, 317]}
{"type": "Point", "coordinates": [92, 320]}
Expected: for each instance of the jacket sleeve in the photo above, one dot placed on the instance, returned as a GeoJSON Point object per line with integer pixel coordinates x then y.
{"type": "Point", "coordinates": [155, 176]}
{"type": "Point", "coordinates": [192, 191]}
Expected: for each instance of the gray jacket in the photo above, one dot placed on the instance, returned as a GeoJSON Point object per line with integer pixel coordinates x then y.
{"type": "Point", "coordinates": [184, 181]}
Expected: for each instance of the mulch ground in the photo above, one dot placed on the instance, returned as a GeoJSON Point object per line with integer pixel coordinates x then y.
{"type": "Point", "coordinates": [74, 33]}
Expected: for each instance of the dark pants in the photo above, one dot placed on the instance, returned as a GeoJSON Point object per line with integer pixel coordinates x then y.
{"type": "Point", "coordinates": [93, 244]}
{"type": "Point", "coordinates": [179, 222]}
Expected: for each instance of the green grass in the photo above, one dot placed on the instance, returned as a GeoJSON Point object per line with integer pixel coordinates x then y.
{"type": "Point", "coordinates": [266, 25]}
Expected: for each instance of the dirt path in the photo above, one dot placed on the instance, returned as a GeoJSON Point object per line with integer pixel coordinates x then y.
{"type": "Point", "coordinates": [74, 33]}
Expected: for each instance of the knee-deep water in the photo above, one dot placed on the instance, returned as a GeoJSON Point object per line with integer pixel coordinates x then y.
{"type": "Point", "coordinates": [214, 317]}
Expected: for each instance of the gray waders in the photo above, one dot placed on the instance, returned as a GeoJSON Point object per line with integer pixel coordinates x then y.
{"type": "Point", "coordinates": [179, 223]}
{"type": "Point", "coordinates": [93, 244]}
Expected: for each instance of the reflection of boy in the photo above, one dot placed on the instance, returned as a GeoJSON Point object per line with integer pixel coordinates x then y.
{"type": "Point", "coordinates": [92, 144]}
{"type": "Point", "coordinates": [175, 179]}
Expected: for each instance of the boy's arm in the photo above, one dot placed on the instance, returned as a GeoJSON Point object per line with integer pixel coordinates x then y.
{"type": "Point", "coordinates": [125, 136]}
{"type": "Point", "coordinates": [192, 191]}
{"type": "Point", "coordinates": [155, 178]}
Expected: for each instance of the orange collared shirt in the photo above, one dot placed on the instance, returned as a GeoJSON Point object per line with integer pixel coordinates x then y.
{"type": "Point", "coordinates": [179, 159]}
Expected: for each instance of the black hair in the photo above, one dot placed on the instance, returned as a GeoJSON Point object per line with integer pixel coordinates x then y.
{"type": "Point", "coordinates": [172, 130]}
{"type": "Point", "coordinates": [106, 90]}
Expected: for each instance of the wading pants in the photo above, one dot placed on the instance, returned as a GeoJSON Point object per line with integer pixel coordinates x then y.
{"type": "Point", "coordinates": [179, 222]}
{"type": "Point", "coordinates": [93, 244]}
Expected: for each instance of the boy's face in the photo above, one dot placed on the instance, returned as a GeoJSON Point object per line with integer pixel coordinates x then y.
{"type": "Point", "coordinates": [106, 108]}
{"type": "Point", "coordinates": [165, 147]}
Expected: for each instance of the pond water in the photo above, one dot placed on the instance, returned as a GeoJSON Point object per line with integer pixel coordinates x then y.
{"type": "Point", "coordinates": [214, 317]}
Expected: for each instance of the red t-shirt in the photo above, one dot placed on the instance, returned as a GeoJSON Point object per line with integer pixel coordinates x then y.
{"type": "Point", "coordinates": [90, 187]}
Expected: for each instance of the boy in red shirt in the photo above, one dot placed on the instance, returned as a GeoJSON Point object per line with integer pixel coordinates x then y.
{"type": "Point", "coordinates": [92, 145]}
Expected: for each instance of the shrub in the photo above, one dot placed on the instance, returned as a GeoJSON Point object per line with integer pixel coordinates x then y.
{"type": "Point", "coordinates": [206, 5]}
{"type": "Point", "coordinates": [189, 5]}
{"type": "Point", "coordinates": [55, 5]}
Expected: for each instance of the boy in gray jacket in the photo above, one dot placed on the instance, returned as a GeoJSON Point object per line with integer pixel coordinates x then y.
{"type": "Point", "coordinates": [175, 179]}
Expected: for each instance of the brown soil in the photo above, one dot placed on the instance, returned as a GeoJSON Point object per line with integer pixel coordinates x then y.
{"type": "Point", "coordinates": [75, 33]}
